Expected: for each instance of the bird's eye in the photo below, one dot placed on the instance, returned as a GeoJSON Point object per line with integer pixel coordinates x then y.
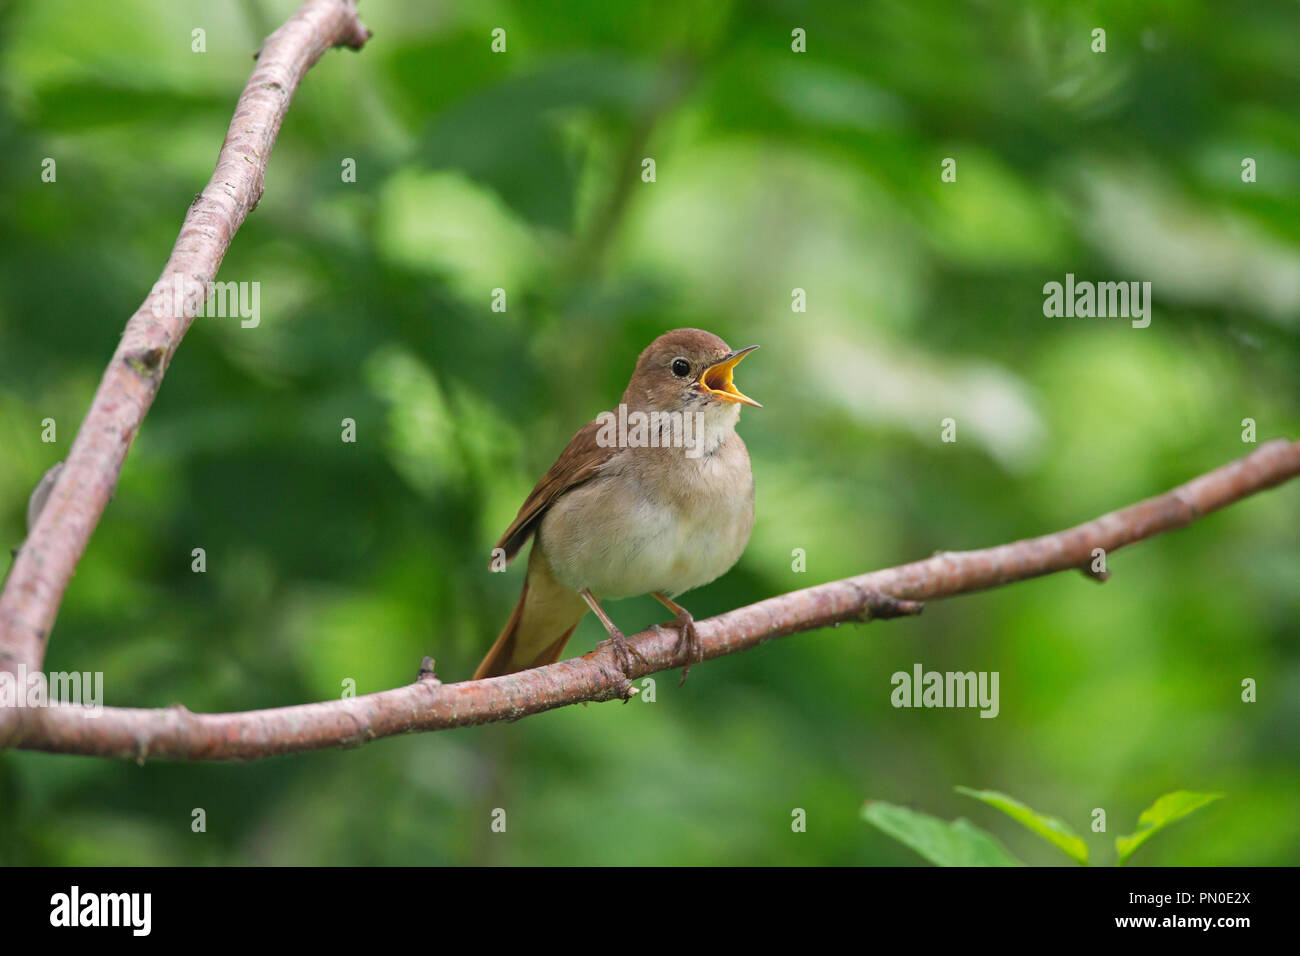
{"type": "Point", "coordinates": [681, 367]}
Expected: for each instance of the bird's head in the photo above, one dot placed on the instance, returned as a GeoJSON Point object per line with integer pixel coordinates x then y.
{"type": "Point", "coordinates": [688, 370]}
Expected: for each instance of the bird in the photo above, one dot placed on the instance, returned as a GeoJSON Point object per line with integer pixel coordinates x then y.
{"type": "Point", "coordinates": [654, 497]}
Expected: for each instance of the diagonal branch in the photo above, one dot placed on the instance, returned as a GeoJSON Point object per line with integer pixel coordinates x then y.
{"type": "Point", "coordinates": [43, 567]}
{"type": "Point", "coordinates": [176, 734]}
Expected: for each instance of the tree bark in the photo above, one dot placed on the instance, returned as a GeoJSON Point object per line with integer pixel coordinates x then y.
{"type": "Point", "coordinates": [176, 734]}
{"type": "Point", "coordinates": [45, 563]}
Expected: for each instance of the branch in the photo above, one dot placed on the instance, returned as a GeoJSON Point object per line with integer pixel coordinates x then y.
{"type": "Point", "coordinates": [427, 704]}
{"type": "Point", "coordinates": [46, 561]}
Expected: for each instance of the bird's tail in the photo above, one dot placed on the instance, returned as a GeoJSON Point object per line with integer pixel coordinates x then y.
{"type": "Point", "coordinates": [540, 626]}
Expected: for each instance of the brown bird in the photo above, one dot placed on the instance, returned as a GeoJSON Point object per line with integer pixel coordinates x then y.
{"type": "Point", "coordinates": [655, 497]}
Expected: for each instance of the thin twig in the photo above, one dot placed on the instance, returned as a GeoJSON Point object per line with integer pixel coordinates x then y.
{"type": "Point", "coordinates": [36, 583]}
{"type": "Point", "coordinates": [177, 734]}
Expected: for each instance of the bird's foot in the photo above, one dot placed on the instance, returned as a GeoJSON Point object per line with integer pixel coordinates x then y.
{"type": "Point", "coordinates": [623, 651]}
{"type": "Point", "coordinates": [689, 638]}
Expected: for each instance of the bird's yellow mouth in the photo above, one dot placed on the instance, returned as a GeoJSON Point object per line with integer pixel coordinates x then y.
{"type": "Point", "coordinates": [716, 380]}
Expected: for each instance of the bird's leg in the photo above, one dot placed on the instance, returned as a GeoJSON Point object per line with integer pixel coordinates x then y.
{"type": "Point", "coordinates": [623, 649]}
{"type": "Point", "coordinates": [686, 633]}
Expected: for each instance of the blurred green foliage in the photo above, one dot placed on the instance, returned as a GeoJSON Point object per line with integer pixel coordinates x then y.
{"type": "Point", "coordinates": [962, 843]}
{"type": "Point", "coordinates": [775, 170]}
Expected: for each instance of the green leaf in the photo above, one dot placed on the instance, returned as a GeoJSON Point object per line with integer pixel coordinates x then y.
{"type": "Point", "coordinates": [1049, 828]}
{"type": "Point", "coordinates": [1168, 809]}
{"type": "Point", "coordinates": [959, 843]}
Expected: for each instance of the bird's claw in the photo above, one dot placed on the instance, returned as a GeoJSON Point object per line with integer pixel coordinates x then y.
{"type": "Point", "coordinates": [623, 651]}
{"type": "Point", "coordinates": [688, 637]}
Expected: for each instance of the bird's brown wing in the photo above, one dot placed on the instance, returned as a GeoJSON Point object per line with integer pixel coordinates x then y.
{"type": "Point", "coordinates": [578, 463]}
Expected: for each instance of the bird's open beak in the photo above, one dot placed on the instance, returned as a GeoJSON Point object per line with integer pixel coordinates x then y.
{"type": "Point", "coordinates": [716, 379]}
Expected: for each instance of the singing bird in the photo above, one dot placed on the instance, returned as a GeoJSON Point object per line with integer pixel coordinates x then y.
{"type": "Point", "coordinates": [656, 497]}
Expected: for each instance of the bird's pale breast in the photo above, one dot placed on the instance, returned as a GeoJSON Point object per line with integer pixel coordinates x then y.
{"type": "Point", "coordinates": [653, 522]}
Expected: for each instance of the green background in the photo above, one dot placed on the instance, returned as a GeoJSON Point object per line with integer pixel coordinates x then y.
{"type": "Point", "coordinates": [775, 170]}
